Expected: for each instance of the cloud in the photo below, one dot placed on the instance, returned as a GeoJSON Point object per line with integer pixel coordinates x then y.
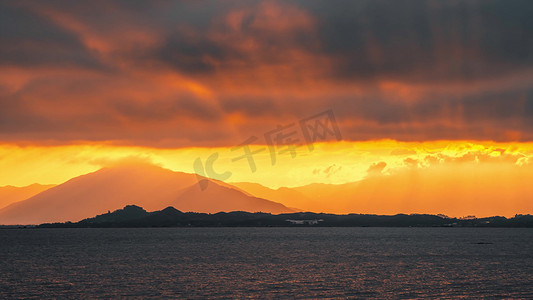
{"type": "Point", "coordinates": [164, 110]}
{"type": "Point", "coordinates": [376, 168]}
{"type": "Point", "coordinates": [31, 40]}
{"type": "Point", "coordinates": [203, 74]}
{"type": "Point", "coordinates": [402, 152]}
{"type": "Point", "coordinates": [410, 162]}
{"type": "Point", "coordinates": [328, 171]}
{"type": "Point", "coordinates": [134, 160]}
{"type": "Point", "coordinates": [245, 38]}
{"type": "Point", "coordinates": [426, 40]}
{"type": "Point", "coordinates": [191, 53]}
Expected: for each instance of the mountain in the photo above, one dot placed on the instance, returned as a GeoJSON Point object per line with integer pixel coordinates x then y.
{"type": "Point", "coordinates": [135, 216]}
{"type": "Point", "coordinates": [146, 185]}
{"type": "Point", "coordinates": [216, 198]}
{"type": "Point", "coordinates": [315, 197]}
{"type": "Point", "coordinates": [288, 196]}
{"type": "Point", "coordinates": [438, 190]}
{"type": "Point", "coordinates": [11, 194]}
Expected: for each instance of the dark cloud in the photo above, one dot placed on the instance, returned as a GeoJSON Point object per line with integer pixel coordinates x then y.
{"type": "Point", "coordinates": [426, 40]}
{"type": "Point", "coordinates": [251, 106]}
{"type": "Point", "coordinates": [31, 40]}
{"type": "Point", "coordinates": [365, 40]}
{"type": "Point", "coordinates": [247, 40]}
{"type": "Point", "coordinates": [485, 115]}
{"type": "Point", "coordinates": [165, 110]}
{"type": "Point", "coordinates": [462, 69]}
{"type": "Point", "coordinates": [191, 53]}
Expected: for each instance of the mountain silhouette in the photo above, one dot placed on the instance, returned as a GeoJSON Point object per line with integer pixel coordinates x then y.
{"type": "Point", "coordinates": [217, 198]}
{"type": "Point", "coordinates": [11, 194]}
{"type": "Point", "coordinates": [316, 197]}
{"type": "Point", "coordinates": [288, 196]}
{"type": "Point", "coordinates": [135, 216]}
{"type": "Point", "coordinates": [480, 192]}
{"type": "Point", "coordinates": [141, 184]}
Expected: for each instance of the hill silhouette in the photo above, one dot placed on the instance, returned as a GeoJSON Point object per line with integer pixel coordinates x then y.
{"type": "Point", "coordinates": [135, 216]}
{"type": "Point", "coordinates": [440, 189]}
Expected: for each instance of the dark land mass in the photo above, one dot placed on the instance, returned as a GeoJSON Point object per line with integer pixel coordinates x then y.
{"type": "Point", "coordinates": [135, 216]}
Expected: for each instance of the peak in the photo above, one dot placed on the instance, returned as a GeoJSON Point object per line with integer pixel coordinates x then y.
{"type": "Point", "coordinates": [170, 209]}
{"type": "Point", "coordinates": [129, 208]}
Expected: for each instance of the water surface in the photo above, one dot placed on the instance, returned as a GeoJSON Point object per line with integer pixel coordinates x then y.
{"type": "Point", "coordinates": [267, 262]}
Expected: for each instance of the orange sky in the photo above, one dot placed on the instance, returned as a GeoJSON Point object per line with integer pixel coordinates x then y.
{"type": "Point", "coordinates": [333, 163]}
{"type": "Point", "coordinates": [453, 177]}
{"type": "Point", "coordinates": [438, 88]}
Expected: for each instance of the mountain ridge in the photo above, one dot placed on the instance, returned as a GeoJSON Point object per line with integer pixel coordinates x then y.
{"type": "Point", "coordinates": [110, 188]}
{"type": "Point", "coordinates": [11, 194]}
{"type": "Point", "coordinates": [135, 216]}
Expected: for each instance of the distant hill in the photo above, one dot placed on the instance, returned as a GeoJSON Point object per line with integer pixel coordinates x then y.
{"type": "Point", "coordinates": [145, 185]}
{"type": "Point", "coordinates": [219, 197]}
{"type": "Point", "coordinates": [288, 196]}
{"type": "Point", "coordinates": [11, 194]}
{"type": "Point", "coordinates": [315, 197]}
{"type": "Point", "coordinates": [135, 216]}
{"type": "Point", "coordinates": [441, 189]}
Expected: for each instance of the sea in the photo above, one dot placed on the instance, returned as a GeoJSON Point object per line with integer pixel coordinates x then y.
{"type": "Point", "coordinates": [267, 263]}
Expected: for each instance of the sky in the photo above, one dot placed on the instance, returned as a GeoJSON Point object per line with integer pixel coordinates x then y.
{"type": "Point", "coordinates": [402, 84]}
